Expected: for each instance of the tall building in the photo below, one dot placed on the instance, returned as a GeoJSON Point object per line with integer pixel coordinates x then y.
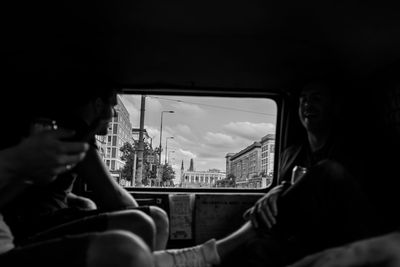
{"type": "Point", "coordinates": [192, 178]}
{"type": "Point", "coordinates": [268, 154]}
{"type": "Point", "coordinates": [228, 163]}
{"type": "Point", "coordinates": [119, 132]}
{"type": "Point", "coordinates": [253, 166]}
{"type": "Point", "coordinates": [246, 164]}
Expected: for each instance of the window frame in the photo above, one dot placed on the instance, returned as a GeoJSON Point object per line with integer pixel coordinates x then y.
{"type": "Point", "coordinates": [279, 98]}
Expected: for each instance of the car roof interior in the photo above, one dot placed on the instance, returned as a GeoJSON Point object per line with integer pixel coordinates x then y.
{"type": "Point", "coordinates": [256, 44]}
{"type": "Point", "coordinates": [213, 46]}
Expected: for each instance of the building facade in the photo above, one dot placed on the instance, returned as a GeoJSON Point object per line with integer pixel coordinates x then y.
{"type": "Point", "coordinates": [119, 132]}
{"type": "Point", "coordinates": [253, 166]}
{"type": "Point", "coordinates": [268, 154]}
{"type": "Point", "coordinates": [246, 164]}
{"type": "Point", "coordinates": [195, 179]}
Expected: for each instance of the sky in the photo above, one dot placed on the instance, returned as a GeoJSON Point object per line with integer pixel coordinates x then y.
{"type": "Point", "coordinates": [204, 129]}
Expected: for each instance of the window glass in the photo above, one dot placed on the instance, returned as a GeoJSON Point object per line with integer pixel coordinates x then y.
{"type": "Point", "coordinates": [207, 142]}
{"type": "Point", "coordinates": [112, 165]}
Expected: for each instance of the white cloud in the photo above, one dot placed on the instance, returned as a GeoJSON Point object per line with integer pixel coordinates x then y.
{"type": "Point", "coordinates": [153, 106]}
{"type": "Point", "coordinates": [183, 141]}
{"type": "Point", "coordinates": [133, 105]}
{"type": "Point", "coordinates": [212, 154]}
{"type": "Point", "coordinates": [219, 139]}
{"type": "Point", "coordinates": [188, 109]}
{"type": "Point", "coordinates": [248, 130]}
{"type": "Point", "coordinates": [183, 129]}
{"type": "Point", "coordinates": [187, 154]}
{"type": "Point", "coordinates": [152, 132]}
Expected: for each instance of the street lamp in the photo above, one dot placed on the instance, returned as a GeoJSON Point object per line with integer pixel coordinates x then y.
{"type": "Point", "coordinates": [160, 148]}
{"type": "Point", "coordinates": [166, 147]}
{"type": "Point", "coordinates": [159, 170]}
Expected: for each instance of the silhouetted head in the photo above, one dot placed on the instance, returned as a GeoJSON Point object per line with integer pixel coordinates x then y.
{"type": "Point", "coordinates": [317, 106]}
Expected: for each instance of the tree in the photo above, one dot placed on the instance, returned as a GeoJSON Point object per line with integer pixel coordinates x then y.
{"type": "Point", "coordinates": [168, 174]}
{"type": "Point", "coordinates": [231, 177]}
{"type": "Point", "coordinates": [229, 181]}
{"type": "Point", "coordinates": [128, 154]}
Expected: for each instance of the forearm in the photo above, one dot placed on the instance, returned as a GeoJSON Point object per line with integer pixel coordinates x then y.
{"type": "Point", "coordinates": [109, 195]}
{"type": "Point", "coordinates": [80, 202]}
{"type": "Point", "coordinates": [106, 191]}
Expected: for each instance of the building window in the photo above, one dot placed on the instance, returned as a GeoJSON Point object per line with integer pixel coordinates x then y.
{"type": "Point", "coordinates": [272, 149]}
{"type": "Point", "coordinates": [112, 165]}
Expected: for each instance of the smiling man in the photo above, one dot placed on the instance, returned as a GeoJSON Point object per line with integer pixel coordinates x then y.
{"type": "Point", "coordinates": [317, 113]}
{"type": "Point", "coordinates": [326, 206]}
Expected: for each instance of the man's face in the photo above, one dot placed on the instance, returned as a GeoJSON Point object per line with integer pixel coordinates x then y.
{"type": "Point", "coordinates": [315, 107]}
{"type": "Point", "coordinates": [106, 113]}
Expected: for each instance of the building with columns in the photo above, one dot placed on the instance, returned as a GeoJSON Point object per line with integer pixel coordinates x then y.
{"type": "Point", "coordinates": [191, 178]}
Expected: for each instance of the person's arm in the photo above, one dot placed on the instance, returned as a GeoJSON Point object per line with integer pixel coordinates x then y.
{"type": "Point", "coordinates": [80, 202]}
{"type": "Point", "coordinates": [107, 193]}
{"type": "Point", "coordinates": [37, 160]}
{"type": "Point", "coordinates": [264, 212]}
{"type": "Point", "coordinates": [381, 251]}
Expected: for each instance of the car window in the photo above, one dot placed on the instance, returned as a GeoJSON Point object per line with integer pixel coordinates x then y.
{"type": "Point", "coordinates": [191, 141]}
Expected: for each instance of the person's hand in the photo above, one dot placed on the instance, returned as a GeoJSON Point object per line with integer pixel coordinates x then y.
{"type": "Point", "coordinates": [381, 251]}
{"type": "Point", "coordinates": [79, 202]}
{"type": "Point", "coordinates": [44, 155]}
{"type": "Point", "coordinates": [264, 212]}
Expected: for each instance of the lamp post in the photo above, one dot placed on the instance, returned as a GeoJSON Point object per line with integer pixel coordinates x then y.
{"type": "Point", "coordinates": [140, 150]}
{"type": "Point", "coordinates": [160, 147]}
{"type": "Point", "coordinates": [166, 147]}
